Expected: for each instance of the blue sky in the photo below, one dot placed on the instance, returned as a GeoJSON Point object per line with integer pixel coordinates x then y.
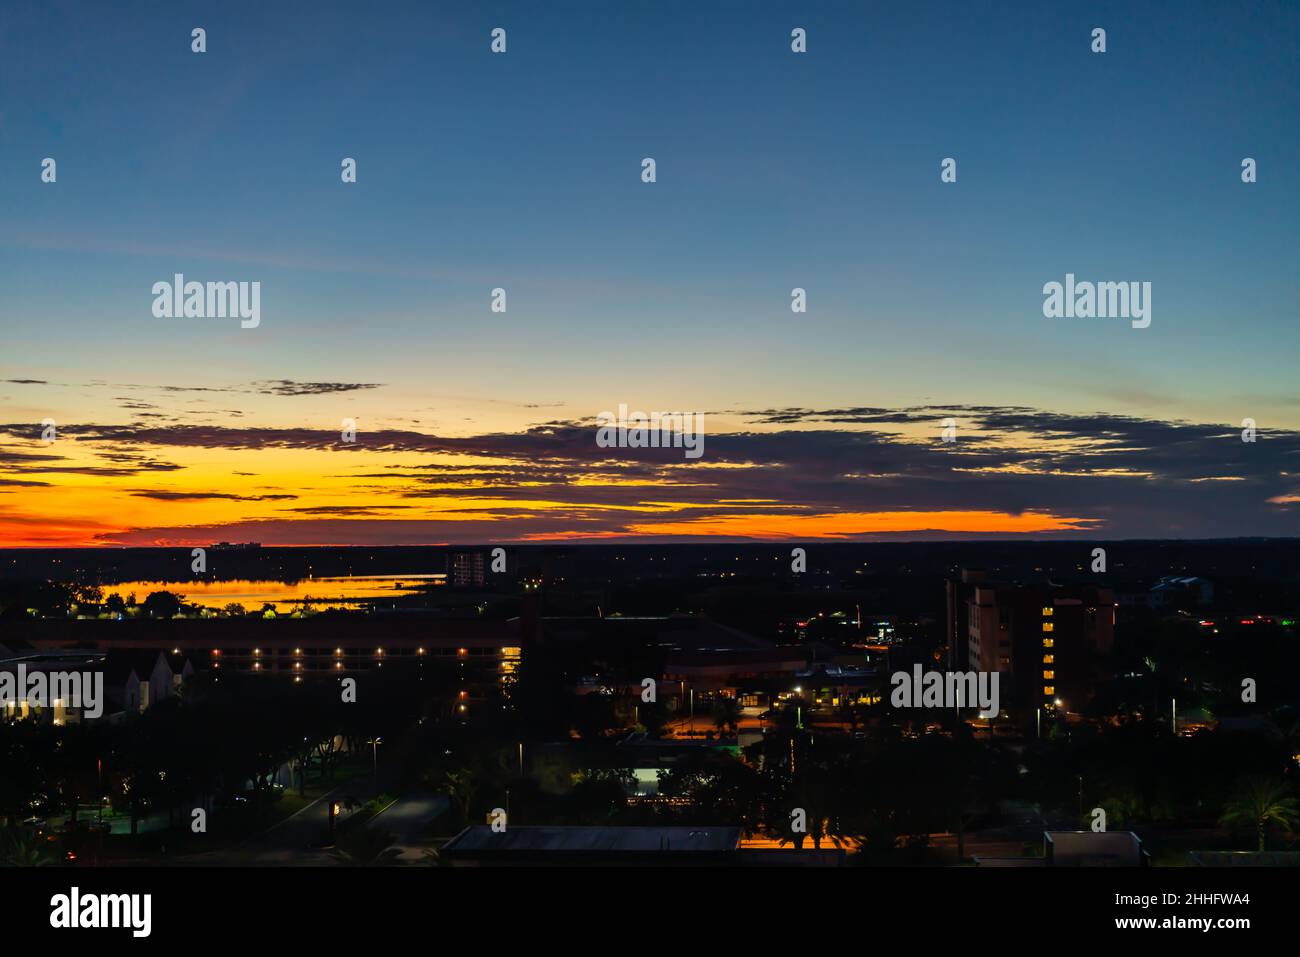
{"type": "Point", "coordinates": [775, 170]}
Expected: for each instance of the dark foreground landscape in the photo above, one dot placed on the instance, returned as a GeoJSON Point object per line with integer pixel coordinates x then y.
{"type": "Point", "coordinates": [719, 705]}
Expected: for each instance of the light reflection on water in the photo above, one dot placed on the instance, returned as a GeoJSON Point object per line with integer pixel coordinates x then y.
{"type": "Point", "coordinates": [342, 592]}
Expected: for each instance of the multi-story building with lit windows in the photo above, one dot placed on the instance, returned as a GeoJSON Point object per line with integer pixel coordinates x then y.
{"type": "Point", "coordinates": [484, 653]}
{"type": "Point", "coordinates": [1042, 639]}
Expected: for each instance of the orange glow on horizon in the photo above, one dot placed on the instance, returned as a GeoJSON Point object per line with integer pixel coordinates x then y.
{"type": "Point", "coordinates": [286, 496]}
{"type": "Point", "coordinates": [840, 525]}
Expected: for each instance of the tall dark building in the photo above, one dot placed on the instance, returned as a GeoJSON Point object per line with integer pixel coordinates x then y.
{"type": "Point", "coordinates": [467, 570]}
{"type": "Point", "coordinates": [960, 591]}
{"type": "Point", "coordinates": [1041, 639]}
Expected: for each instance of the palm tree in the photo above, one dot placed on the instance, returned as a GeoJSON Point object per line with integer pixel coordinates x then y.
{"type": "Point", "coordinates": [460, 787]}
{"type": "Point", "coordinates": [19, 849]}
{"type": "Point", "coordinates": [432, 857]}
{"type": "Point", "coordinates": [850, 715]}
{"type": "Point", "coordinates": [366, 847]}
{"type": "Point", "coordinates": [1258, 802]}
{"type": "Point", "coordinates": [726, 714]}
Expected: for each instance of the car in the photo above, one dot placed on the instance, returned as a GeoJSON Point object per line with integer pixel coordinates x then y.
{"type": "Point", "coordinates": [86, 826]}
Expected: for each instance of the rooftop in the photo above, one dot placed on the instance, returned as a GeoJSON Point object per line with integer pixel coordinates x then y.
{"type": "Point", "coordinates": [480, 838]}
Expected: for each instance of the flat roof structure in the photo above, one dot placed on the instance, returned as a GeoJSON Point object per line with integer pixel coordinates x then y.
{"type": "Point", "coordinates": [479, 844]}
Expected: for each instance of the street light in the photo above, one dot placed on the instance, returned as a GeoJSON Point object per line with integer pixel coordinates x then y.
{"type": "Point", "coordinates": [376, 742]}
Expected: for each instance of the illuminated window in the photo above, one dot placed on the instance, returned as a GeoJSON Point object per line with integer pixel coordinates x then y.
{"type": "Point", "coordinates": [1049, 675]}
{"type": "Point", "coordinates": [510, 662]}
{"type": "Point", "coordinates": [1048, 691]}
{"type": "Point", "coordinates": [1049, 643]}
{"type": "Point", "coordinates": [1048, 626]}
{"type": "Point", "coordinates": [1047, 613]}
{"type": "Point", "coordinates": [1049, 659]}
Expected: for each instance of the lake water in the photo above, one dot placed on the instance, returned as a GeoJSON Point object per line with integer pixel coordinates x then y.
{"type": "Point", "coordinates": [345, 592]}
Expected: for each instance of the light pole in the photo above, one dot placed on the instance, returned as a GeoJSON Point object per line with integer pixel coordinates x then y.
{"type": "Point", "coordinates": [376, 742]}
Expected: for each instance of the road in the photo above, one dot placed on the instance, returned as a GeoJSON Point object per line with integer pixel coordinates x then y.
{"type": "Point", "coordinates": [408, 821]}
{"type": "Point", "coordinates": [288, 843]}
